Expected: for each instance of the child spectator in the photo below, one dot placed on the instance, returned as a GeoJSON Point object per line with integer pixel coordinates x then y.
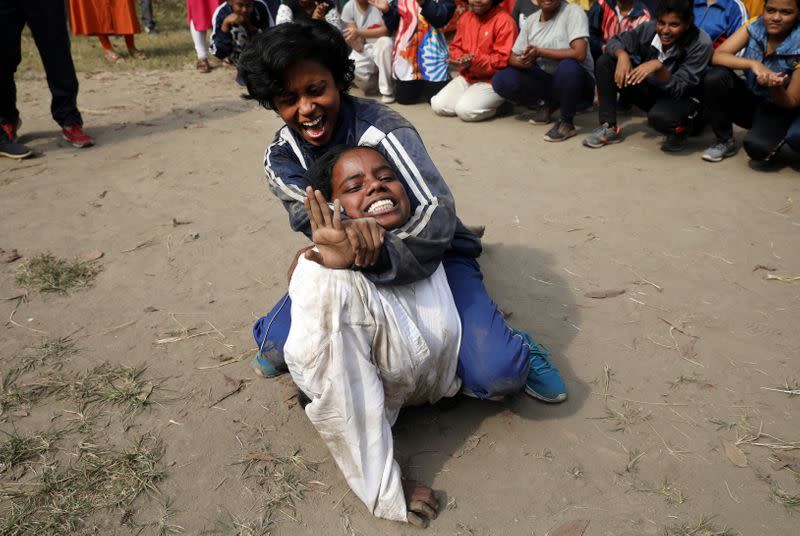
{"type": "Point", "coordinates": [607, 18]}
{"type": "Point", "coordinates": [117, 17]}
{"type": "Point", "coordinates": [719, 18]}
{"type": "Point", "coordinates": [236, 21]}
{"type": "Point", "coordinates": [656, 66]}
{"type": "Point", "coordinates": [362, 351]}
{"type": "Point", "coordinates": [199, 15]}
{"type": "Point", "coordinates": [369, 38]}
{"type": "Point", "coordinates": [481, 48]}
{"type": "Point", "coordinates": [522, 10]}
{"type": "Point", "coordinates": [419, 55]}
{"type": "Point", "coordinates": [550, 64]}
{"type": "Point", "coordinates": [767, 100]}
{"type": "Point", "coordinates": [296, 10]}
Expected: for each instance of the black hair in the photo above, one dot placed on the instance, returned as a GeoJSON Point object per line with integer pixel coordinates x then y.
{"type": "Point", "coordinates": [684, 9]}
{"type": "Point", "coordinates": [320, 174]}
{"type": "Point", "coordinates": [268, 56]}
{"type": "Point", "coordinates": [797, 3]}
{"type": "Point", "coordinates": [498, 2]}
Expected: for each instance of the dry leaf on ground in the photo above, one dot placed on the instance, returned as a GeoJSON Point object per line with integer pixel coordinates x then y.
{"type": "Point", "coordinates": [571, 528]}
{"type": "Point", "coordinates": [734, 453]}
{"type": "Point", "coordinates": [600, 294]}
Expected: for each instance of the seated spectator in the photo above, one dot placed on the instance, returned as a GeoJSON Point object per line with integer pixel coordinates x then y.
{"type": "Point", "coordinates": [481, 48]}
{"type": "Point", "coordinates": [236, 21]}
{"type": "Point", "coordinates": [294, 10]}
{"type": "Point", "coordinates": [118, 17]}
{"type": "Point", "coordinates": [522, 10]}
{"type": "Point", "coordinates": [417, 26]}
{"type": "Point", "coordinates": [369, 38]}
{"type": "Point", "coordinates": [767, 100]}
{"type": "Point", "coordinates": [550, 64]}
{"type": "Point", "coordinates": [607, 18]}
{"type": "Point", "coordinates": [719, 18]}
{"type": "Point", "coordinates": [656, 66]}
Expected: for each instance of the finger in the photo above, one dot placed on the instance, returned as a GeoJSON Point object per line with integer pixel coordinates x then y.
{"type": "Point", "coordinates": [323, 208]}
{"type": "Point", "coordinates": [337, 215]}
{"type": "Point", "coordinates": [377, 241]}
{"type": "Point", "coordinates": [311, 220]}
{"type": "Point", "coordinates": [316, 213]}
{"type": "Point", "coordinates": [370, 246]}
{"type": "Point", "coordinates": [354, 238]}
{"type": "Point", "coordinates": [416, 520]}
{"type": "Point", "coordinates": [423, 508]}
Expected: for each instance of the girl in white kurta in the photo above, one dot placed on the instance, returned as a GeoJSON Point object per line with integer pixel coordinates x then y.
{"type": "Point", "coordinates": [360, 351]}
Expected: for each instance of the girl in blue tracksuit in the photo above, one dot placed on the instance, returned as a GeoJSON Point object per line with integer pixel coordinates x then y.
{"type": "Point", "coordinates": [302, 71]}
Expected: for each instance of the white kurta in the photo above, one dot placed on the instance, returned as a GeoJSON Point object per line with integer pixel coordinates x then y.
{"type": "Point", "coordinates": [361, 352]}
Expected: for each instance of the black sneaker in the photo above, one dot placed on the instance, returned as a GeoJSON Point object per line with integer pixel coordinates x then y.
{"type": "Point", "coordinates": [560, 131]}
{"type": "Point", "coordinates": [674, 143]}
{"type": "Point", "coordinates": [541, 113]}
{"type": "Point", "coordinates": [10, 149]}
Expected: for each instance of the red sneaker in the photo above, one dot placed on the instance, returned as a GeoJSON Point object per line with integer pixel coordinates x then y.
{"type": "Point", "coordinates": [11, 130]}
{"type": "Point", "coordinates": [76, 136]}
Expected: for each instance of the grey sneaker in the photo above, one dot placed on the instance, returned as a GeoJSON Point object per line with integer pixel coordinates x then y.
{"type": "Point", "coordinates": [541, 113]}
{"type": "Point", "coordinates": [560, 131]}
{"type": "Point", "coordinates": [720, 150]}
{"type": "Point", "coordinates": [674, 143]}
{"type": "Point", "coordinates": [603, 135]}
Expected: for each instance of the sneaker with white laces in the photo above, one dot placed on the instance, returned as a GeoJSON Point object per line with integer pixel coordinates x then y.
{"type": "Point", "coordinates": [603, 135]}
{"type": "Point", "coordinates": [77, 136]}
{"type": "Point", "coordinates": [720, 150]}
{"type": "Point", "coordinates": [544, 381]}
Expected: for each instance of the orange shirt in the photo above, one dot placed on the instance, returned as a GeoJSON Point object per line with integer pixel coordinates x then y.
{"type": "Point", "coordinates": [104, 17]}
{"type": "Point", "coordinates": [489, 39]}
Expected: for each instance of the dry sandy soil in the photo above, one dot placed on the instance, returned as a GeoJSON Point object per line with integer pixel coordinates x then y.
{"type": "Point", "coordinates": [656, 375]}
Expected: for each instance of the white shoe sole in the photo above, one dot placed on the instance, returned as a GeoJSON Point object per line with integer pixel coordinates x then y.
{"type": "Point", "coordinates": [560, 398]}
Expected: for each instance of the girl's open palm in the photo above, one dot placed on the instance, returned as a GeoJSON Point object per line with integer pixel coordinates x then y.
{"type": "Point", "coordinates": [330, 238]}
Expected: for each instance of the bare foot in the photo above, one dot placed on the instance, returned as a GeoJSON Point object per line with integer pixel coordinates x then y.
{"type": "Point", "coordinates": [112, 56]}
{"type": "Point", "coordinates": [137, 54]}
{"type": "Point", "coordinates": [421, 504]}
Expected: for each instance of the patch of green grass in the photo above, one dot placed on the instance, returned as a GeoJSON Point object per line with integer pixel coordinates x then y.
{"type": "Point", "coordinates": [63, 497]}
{"type": "Point", "coordinates": [47, 352]}
{"type": "Point", "coordinates": [172, 48]}
{"type": "Point", "coordinates": [47, 273]}
{"type": "Point", "coordinates": [625, 419]}
{"type": "Point", "coordinates": [20, 448]}
{"type": "Point", "coordinates": [784, 498]}
{"type": "Point", "coordinates": [704, 527]}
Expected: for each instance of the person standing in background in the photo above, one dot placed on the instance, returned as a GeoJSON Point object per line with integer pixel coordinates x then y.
{"type": "Point", "coordinates": [105, 18]}
{"type": "Point", "coordinates": [199, 15]}
{"type": "Point", "coordinates": [148, 21]}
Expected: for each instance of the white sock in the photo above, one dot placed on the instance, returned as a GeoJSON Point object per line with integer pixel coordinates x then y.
{"type": "Point", "coordinates": [199, 38]}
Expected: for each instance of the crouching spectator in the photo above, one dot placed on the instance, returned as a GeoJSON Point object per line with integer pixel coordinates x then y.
{"type": "Point", "coordinates": [235, 21]}
{"type": "Point", "coordinates": [767, 100]}
{"type": "Point", "coordinates": [368, 36]}
{"type": "Point", "coordinates": [484, 37]}
{"type": "Point", "coordinates": [657, 66]}
{"type": "Point", "coordinates": [607, 18]}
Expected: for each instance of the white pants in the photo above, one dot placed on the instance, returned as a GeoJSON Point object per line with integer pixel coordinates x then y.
{"type": "Point", "coordinates": [199, 40]}
{"type": "Point", "coordinates": [375, 58]}
{"type": "Point", "coordinates": [361, 352]}
{"type": "Point", "coordinates": [470, 102]}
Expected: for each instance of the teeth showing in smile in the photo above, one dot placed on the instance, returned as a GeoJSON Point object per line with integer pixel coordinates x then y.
{"type": "Point", "coordinates": [315, 122]}
{"type": "Point", "coordinates": [380, 206]}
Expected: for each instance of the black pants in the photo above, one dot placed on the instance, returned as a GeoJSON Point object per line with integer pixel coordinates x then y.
{"type": "Point", "coordinates": [666, 114]}
{"type": "Point", "coordinates": [728, 100]}
{"type": "Point", "coordinates": [148, 22]}
{"type": "Point", "coordinates": [416, 91]}
{"type": "Point", "coordinates": [48, 23]}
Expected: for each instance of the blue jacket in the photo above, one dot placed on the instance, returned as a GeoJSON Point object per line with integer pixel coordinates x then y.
{"type": "Point", "coordinates": [784, 60]}
{"type": "Point", "coordinates": [409, 253]}
{"type": "Point", "coordinates": [721, 19]}
{"type": "Point", "coordinates": [230, 44]}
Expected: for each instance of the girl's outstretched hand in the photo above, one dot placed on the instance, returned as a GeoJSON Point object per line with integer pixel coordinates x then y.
{"type": "Point", "coordinates": [421, 504]}
{"type": "Point", "coordinates": [333, 244]}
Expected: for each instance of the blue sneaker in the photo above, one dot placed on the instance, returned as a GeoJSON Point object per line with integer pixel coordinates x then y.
{"type": "Point", "coordinates": [264, 368]}
{"type": "Point", "coordinates": [544, 382]}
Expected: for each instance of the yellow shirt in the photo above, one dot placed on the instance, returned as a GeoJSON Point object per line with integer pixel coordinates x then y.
{"type": "Point", "coordinates": [754, 7]}
{"type": "Point", "coordinates": [587, 4]}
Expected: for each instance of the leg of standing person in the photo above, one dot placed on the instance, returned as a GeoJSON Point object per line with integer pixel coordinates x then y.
{"type": "Point", "coordinates": [382, 57]}
{"type": "Point", "coordinates": [12, 21]}
{"type": "Point", "coordinates": [571, 84]}
{"type": "Point", "coordinates": [135, 53]}
{"type": "Point", "coordinates": [200, 48]}
{"type": "Point", "coordinates": [148, 22]}
{"type": "Point", "coordinates": [768, 133]}
{"type": "Point", "coordinates": [444, 102]}
{"type": "Point", "coordinates": [47, 20]}
{"type": "Point", "coordinates": [479, 102]}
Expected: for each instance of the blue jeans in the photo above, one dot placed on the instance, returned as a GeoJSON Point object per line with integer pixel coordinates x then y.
{"type": "Point", "coordinates": [492, 360]}
{"type": "Point", "coordinates": [568, 85]}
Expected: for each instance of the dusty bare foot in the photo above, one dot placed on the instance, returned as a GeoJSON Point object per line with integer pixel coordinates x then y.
{"type": "Point", "coordinates": [112, 56]}
{"type": "Point", "coordinates": [137, 54]}
{"type": "Point", "coordinates": [203, 66]}
{"type": "Point", "coordinates": [421, 504]}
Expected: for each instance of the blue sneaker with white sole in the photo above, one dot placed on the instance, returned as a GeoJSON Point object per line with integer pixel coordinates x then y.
{"type": "Point", "coordinates": [264, 368]}
{"type": "Point", "coordinates": [544, 382]}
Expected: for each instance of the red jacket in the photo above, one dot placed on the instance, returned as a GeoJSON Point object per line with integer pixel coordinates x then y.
{"type": "Point", "coordinates": [489, 39]}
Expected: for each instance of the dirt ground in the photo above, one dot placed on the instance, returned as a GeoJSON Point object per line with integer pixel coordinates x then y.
{"type": "Point", "coordinates": [196, 248]}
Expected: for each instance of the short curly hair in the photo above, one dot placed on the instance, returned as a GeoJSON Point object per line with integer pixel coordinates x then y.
{"type": "Point", "coordinates": [268, 56]}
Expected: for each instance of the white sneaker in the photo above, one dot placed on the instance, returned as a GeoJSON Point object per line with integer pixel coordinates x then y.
{"type": "Point", "coordinates": [387, 99]}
